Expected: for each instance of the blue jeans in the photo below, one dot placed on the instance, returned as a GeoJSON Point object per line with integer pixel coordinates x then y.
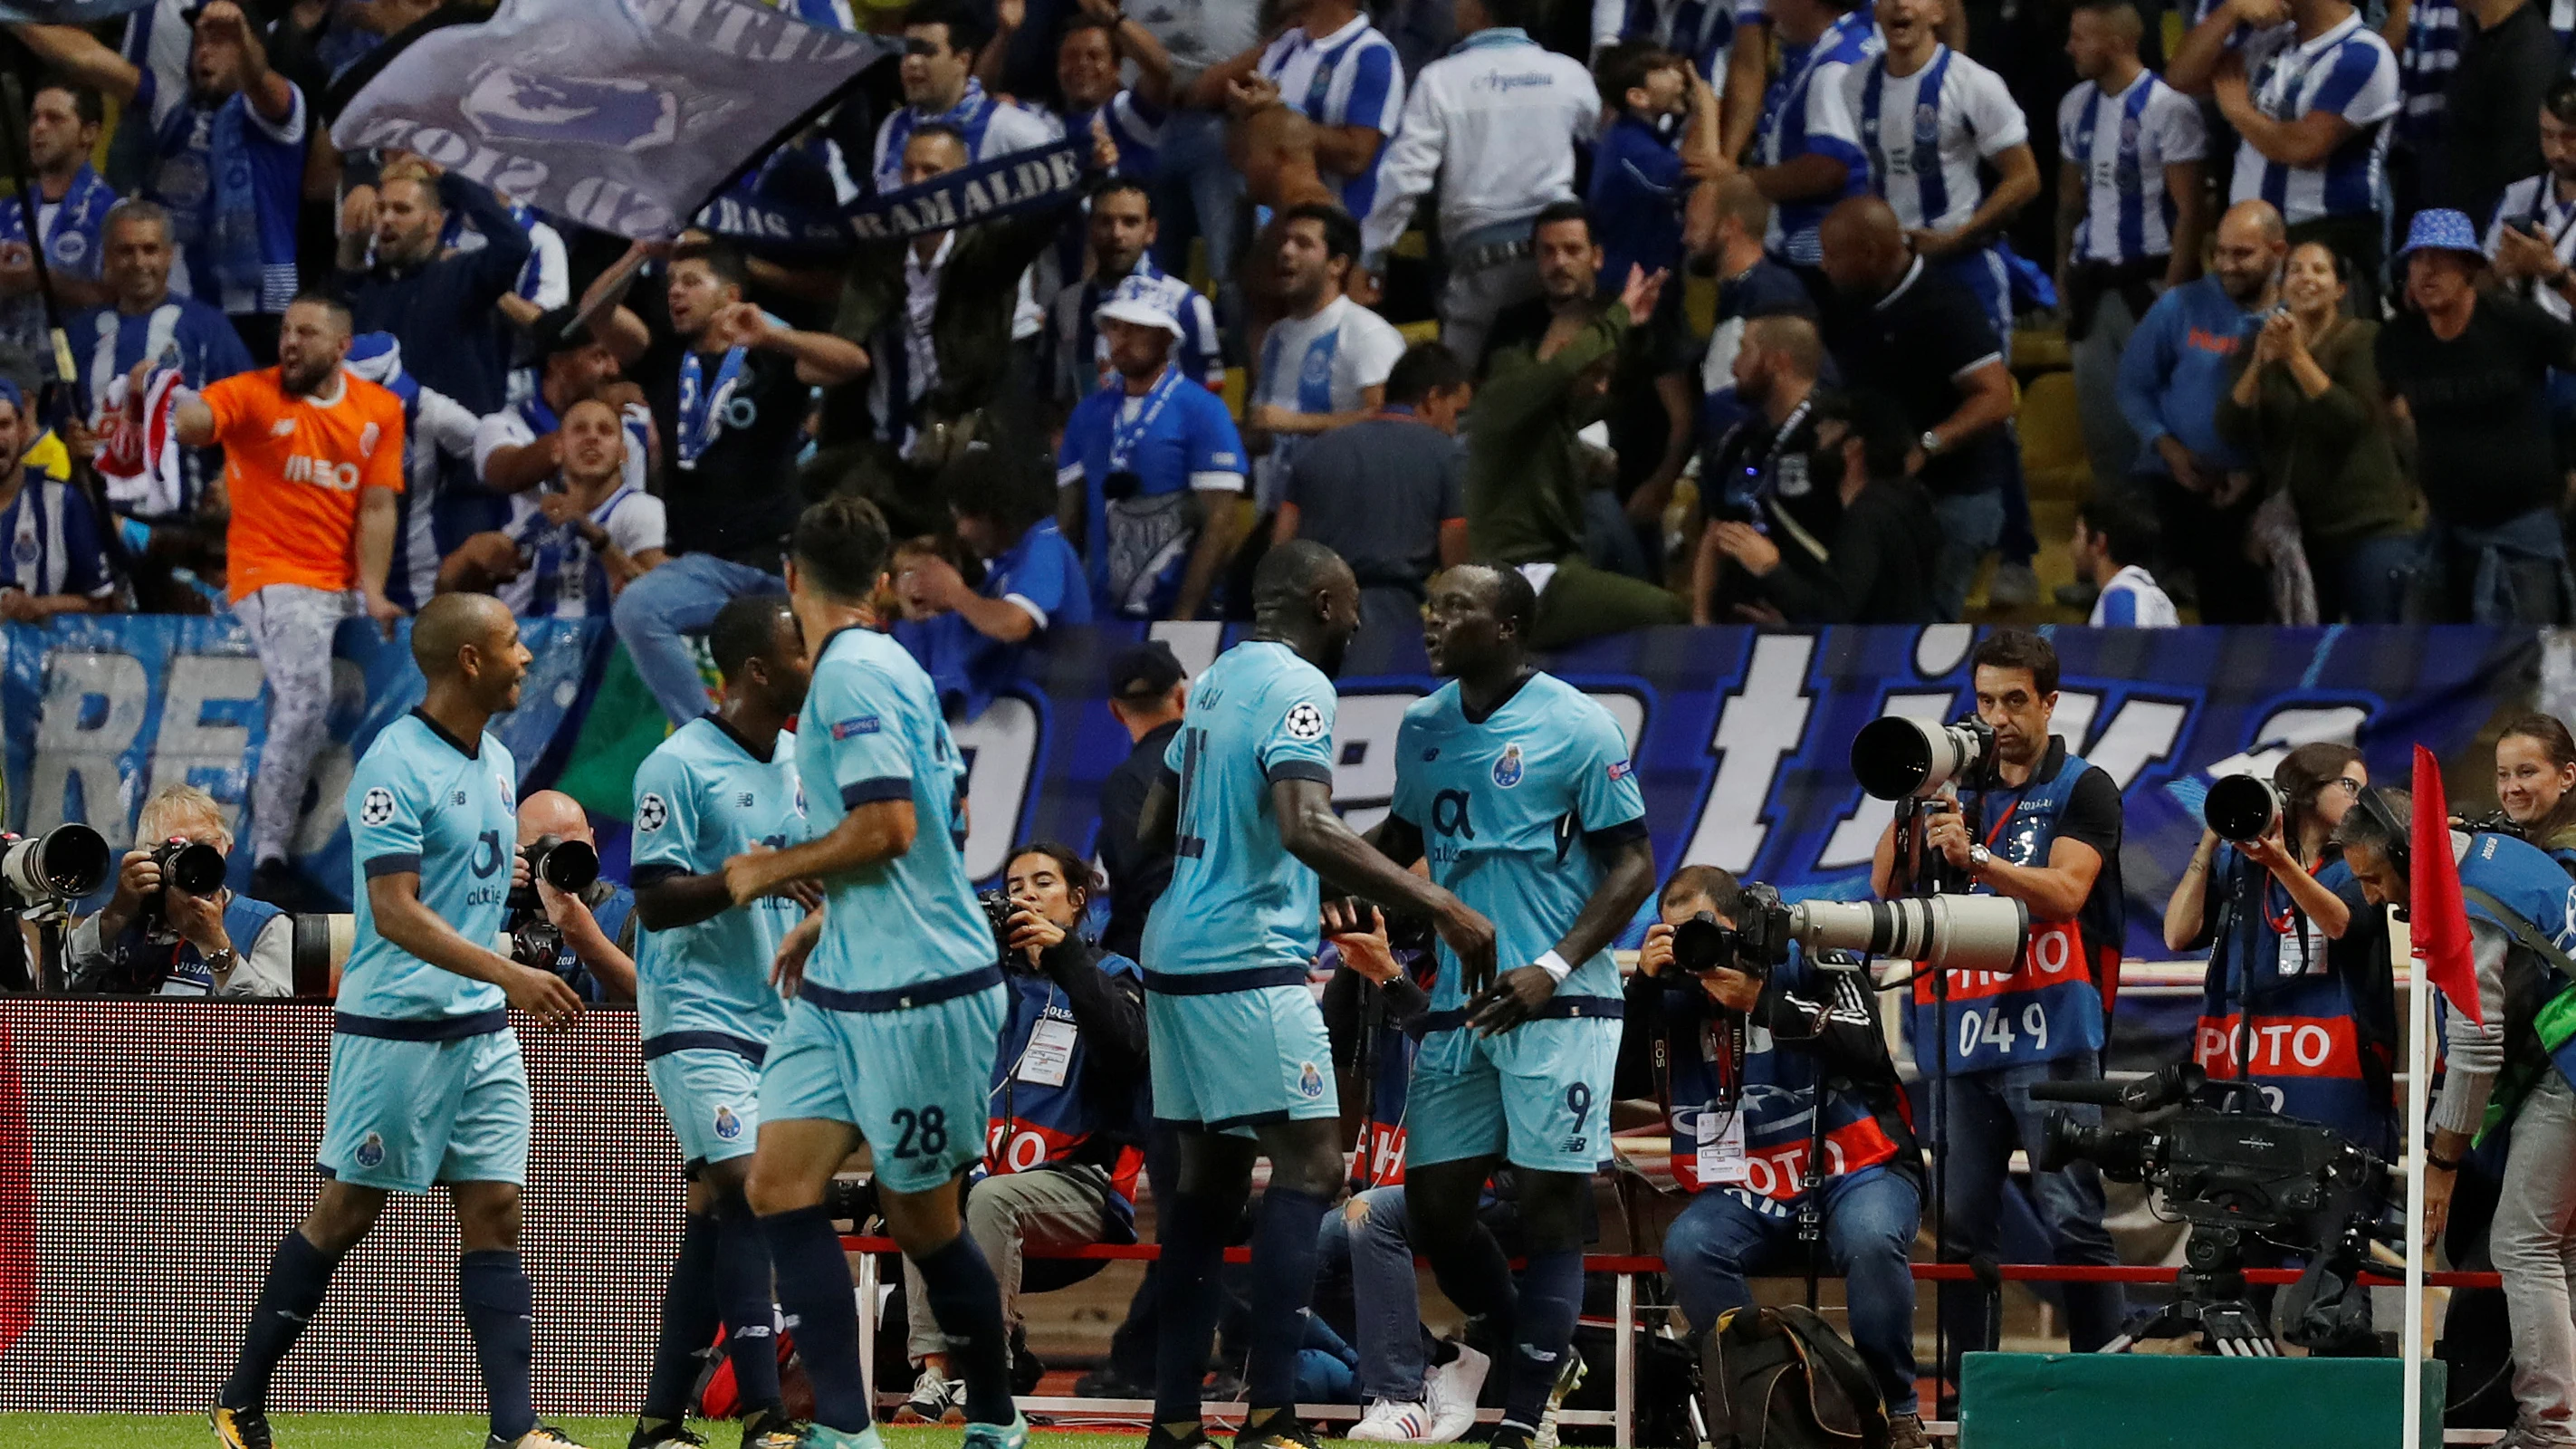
{"type": "Point", "coordinates": [2367, 582]}
{"type": "Point", "coordinates": [1984, 1116]}
{"type": "Point", "coordinates": [680, 598]}
{"type": "Point", "coordinates": [1870, 1222]}
{"type": "Point", "coordinates": [1196, 191]}
{"type": "Point", "coordinates": [2513, 573]}
{"type": "Point", "coordinates": [1971, 524]}
{"type": "Point", "coordinates": [1367, 1238]}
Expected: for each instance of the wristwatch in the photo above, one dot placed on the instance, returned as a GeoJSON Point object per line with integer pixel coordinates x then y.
{"type": "Point", "coordinates": [1979, 857]}
{"type": "Point", "coordinates": [1930, 443]}
{"type": "Point", "coordinates": [217, 962]}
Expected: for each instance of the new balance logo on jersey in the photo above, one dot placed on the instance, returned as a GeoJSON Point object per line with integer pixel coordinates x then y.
{"type": "Point", "coordinates": [322, 473]}
{"type": "Point", "coordinates": [747, 800]}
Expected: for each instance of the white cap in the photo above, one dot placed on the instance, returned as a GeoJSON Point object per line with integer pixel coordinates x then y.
{"type": "Point", "coordinates": [1139, 301]}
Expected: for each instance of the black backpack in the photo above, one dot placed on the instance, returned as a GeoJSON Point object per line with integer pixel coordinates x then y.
{"type": "Point", "coordinates": [1781, 1378]}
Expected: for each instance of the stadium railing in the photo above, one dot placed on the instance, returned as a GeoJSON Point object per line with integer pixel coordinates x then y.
{"type": "Point", "coordinates": [1623, 1323]}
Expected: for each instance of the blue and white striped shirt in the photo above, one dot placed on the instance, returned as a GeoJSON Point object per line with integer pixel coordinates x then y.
{"type": "Point", "coordinates": [49, 542]}
{"type": "Point", "coordinates": [2123, 143]}
{"type": "Point", "coordinates": [2348, 71]}
{"type": "Point", "coordinates": [1135, 127]}
{"type": "Point", "coordinates": [2433, 39]}
{"type": "Point", "coordinates": [1807, 112]}
{"type": "Point", "coordinates": [1348, 78]}
{"type": "Point", "coordinates": [1702, 30]}
{"type": "Point", "coordinates": [1923, 153]}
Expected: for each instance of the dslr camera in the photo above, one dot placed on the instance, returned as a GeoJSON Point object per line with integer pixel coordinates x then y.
{"type": "Point", "coordinates": [569, 866]}
{"type": "Point", "coordinates": [189, 865]}
{"type": "Point", "coordinates": [41, 875]}
{"type": "Point", "coordinates": [998, 911]}
{"type": "Point", "coordinates": [1967, 933]}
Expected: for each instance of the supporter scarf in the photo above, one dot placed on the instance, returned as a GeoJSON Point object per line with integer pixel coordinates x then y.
{"type": "Point", "coordinates": [1125, 433]}
{"type": "Point", "coordinates": [85, 197]}
{"type": "Point", "coordinates": [1034, 180]}
{"type": "Point", "coordinates": [702, 408]}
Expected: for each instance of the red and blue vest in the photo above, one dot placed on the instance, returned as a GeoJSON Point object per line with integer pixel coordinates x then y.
{"type": "Point", "coordinates": [2322, 1042]}
{"type": "Point", "coordinates": [2055, 1001]}
{"type": "Point", "coordinates": [1773, 1092]}
{"type": "Point", "coordinates": [1035, 1123]}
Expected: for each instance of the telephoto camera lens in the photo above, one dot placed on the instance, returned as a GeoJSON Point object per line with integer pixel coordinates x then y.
{"type": "Point", "coordinates": [2241, 808]}
{"type": "Point", "coordinates": [1959, 933]}
{"type": "Point", "coordinates": [1894, 757]}
{"type": "Point", "coordinates": [63, 864]}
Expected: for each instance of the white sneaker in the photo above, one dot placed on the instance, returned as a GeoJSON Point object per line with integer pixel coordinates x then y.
{"type": "Point", "coordinates": [1450, 1391]}
{"type": "Point", "coordinates": [1388, 1422]}
{"type": "Point", "coordinates": [936, 1399]}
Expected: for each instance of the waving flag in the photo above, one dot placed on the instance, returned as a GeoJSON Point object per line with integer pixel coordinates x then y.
{"type": "Point", "coordinates": [2434, 906]}
{"type": "Point", "coordinates": [623, 115]}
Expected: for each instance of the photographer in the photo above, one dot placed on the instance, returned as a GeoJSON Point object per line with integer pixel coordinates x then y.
{"type": "Point", "coordinates": [591, 930]}
{"type": "Point", "coordinates": [2038, 824]}
{"type": "Point", "coordinates": [2298, 998]}
{"type": "Point", "coordinates": [1760, 1066]}
{"type": "Point", "coordinates": [1069, 1107]}
{"type": "Point", "coordinates": [2508, 1077]}
{"type": "Point", "coordinates": [2535, 775]}
{"type": "Point", "coordinates": [155, 939]}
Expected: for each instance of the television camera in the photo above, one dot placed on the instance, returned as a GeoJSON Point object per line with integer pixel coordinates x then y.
{"type": "Point", "coordinates": [2238, 1176]}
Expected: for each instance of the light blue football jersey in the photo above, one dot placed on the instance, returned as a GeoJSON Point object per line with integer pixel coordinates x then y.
{"type": "Point", "coordinates": [1238, 900]}
{"type": "Point", "coordinates": [872, 731]}
{"type": "Point", "coordinates": [701, 798]}
{"type": "Point", "coordinates": [420, 801]}
{"type": "Point", "coordinates": [1510, 809]}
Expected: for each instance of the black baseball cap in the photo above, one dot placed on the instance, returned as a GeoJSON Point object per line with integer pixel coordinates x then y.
{"type": "Point", "coordinates": [1144, 671]}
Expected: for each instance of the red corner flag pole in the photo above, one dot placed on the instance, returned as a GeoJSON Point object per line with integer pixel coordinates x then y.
{"type": "Point", "coordinates": [2437, 920]}
{"type": "Point", "coordinates": [2441, 921]}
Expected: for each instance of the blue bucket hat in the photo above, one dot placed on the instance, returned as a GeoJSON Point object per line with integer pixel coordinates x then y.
{"type": "Point", "coordinates": [2442, 230]}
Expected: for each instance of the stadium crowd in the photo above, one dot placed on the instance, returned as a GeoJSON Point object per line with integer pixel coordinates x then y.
{"type": "Point", "coordinates": [1514, 324]}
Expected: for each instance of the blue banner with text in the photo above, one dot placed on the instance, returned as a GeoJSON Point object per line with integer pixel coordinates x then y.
{"type": "Point", "coordinates": [1741, 738]}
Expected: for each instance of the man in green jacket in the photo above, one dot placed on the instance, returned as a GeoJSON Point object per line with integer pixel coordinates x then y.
{"type": "Point", "coordinates": [1526, 475]}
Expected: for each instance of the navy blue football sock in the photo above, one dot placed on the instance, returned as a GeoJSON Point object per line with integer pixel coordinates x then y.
{"type": "Point", "coordinates": [500, 1309]}
{"type": "Point", "coordinates": [297, 1275]}
{"type": "Point", "coordinates": [1193, 1241]}
{"type": "Point", "coordinates": [814, 1288]}
{"type": "Point", "coordinates": [1475, 1275]}
{"type": "Point", "coordinates": [742, 1293]}
{"type": "Point", "coordinates": [967, 1304]}
{"type": "Point", "coordinates": [1550, 1300]}
{"type": "Point", "coordinates": [688, 1321]}
{"type": "Point", "coordinates": [1283, 1284]}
